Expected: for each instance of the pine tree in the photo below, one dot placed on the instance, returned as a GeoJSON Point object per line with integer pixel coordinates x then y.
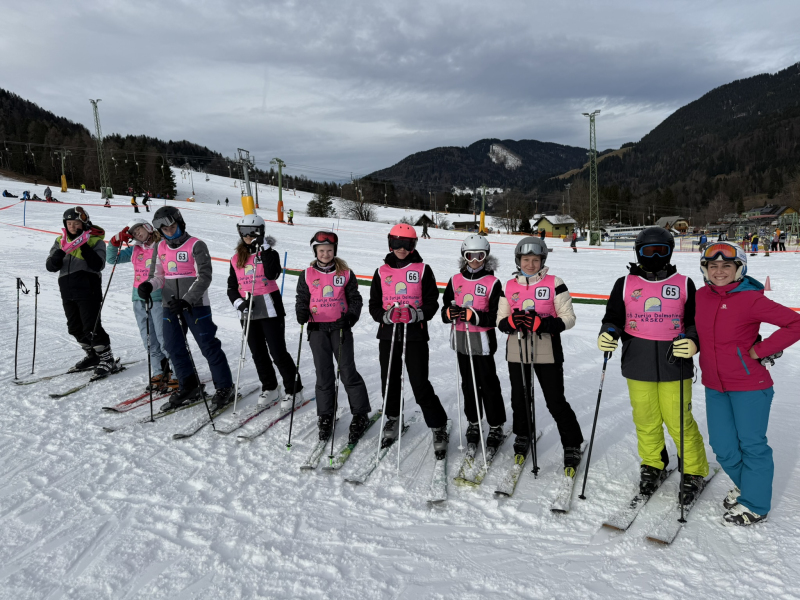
{"type": "Point", "coordinates": [321, 205]}
{"type": "Point", "coordinates": [525, 225]}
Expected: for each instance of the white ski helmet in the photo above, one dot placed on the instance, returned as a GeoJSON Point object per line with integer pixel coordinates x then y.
{"type": "Point", "coordinates": [139, 222]}
{"type": "Point", "coordinates": [252, 225]}
{"type": "Point", "coordinates": [531, 245]}
{"type": "Point", "coordinates": [724, 251]}
{"type": "Point", "coordinates": [475, 243]}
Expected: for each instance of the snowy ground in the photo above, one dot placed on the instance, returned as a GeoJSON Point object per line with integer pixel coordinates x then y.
{"type": "Point", "coordinates": [85, 514]}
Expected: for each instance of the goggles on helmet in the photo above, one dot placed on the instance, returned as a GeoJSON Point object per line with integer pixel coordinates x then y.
{"type": "Point", "coordinates": [249, 230]}
{"type": "Point", "coordinates": [395, 243]}
{"type": "Point", "coordinates": [163, 221]}
{"type": "Point", "coordinates": [650, 250]}
{"type": "Point", "coordinates": [528, 249]}
{"type": "Point", "coordinates": [325, 237]}
{"type": "Point", "coordinates": [141, 229]}
{"type": "Point", "coordinates": [478, 255]}
{"type": "Point", "coordinates": [78, 214]}
{"type": "Point", "coordinates": [714, 251]}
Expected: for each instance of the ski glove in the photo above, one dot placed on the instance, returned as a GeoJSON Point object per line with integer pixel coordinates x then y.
{"type": "Point", "coordinates": [769, 361]}
{"type": "Point", "coordinates": [178, 305]}
{"type": "Point", "coordinates": [551, 325]}
{"type": "Point", "coordinates": [122, 237]}
{"type": "Point", "coordinates": [467, 315]}
{"type": "Point", "coordinates": [523, 320]}
{"type": "Point", "coordinates": [68, 246]}
{"type": "Point", "coordinates": [145, 289]}
{"type": "Point", "coordinates": [242, 304]}
{"type": "Point", "coordinates": [606, 342]}
{"type": "Point", "coordinates": [684, 348]}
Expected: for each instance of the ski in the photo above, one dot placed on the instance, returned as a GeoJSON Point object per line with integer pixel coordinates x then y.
{"type": "Point", "coordinates": [118, 368]}
{"type": "Point", "coordinates": [475, 473]}
{"type": "Point", "coordinates": [71, 371]}
{"type": "Point", "coordinates": [372, 463]}
{"type": "Point", "coordinates": [280, 416]}
{"type": "Point", "coordinates": [563, 499]}
{"type": "Point", "coordinates": [340, 458]}
{"type": "Point", "coordinates": [668, 528]}
{"type": "Point", "coordinates": [624, 517]}
{"type": "Point", "coordinates": [243, 418]}
{"type": "Point", "coordinates": [156, 416]}
{"type": "Point", "coordinates": [135, 402]}
{"type": "Point", "coordinates": [202, 420]}
{"type": "Point", "coordinates": [314, 457]}
{"type": "Point", "coordinates": [509, 481]}
{"type": "Point", "coordinates": [438, 489]}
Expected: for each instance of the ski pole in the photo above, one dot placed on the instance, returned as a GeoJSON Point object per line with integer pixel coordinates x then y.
{"type": "Point", "coordinates": [243, 349]}
{"type": "Point", "coordinates": [475, 390]}
{"type": "Point", "coordinates": [458, 380]}
{"type": "Point", "coordinates": [147, 305]}
{"type": "Point", "coordinates": [404, 331]}
{"type": "Point", "coordinates": [683, 459]}
{"type": "Point", "coordinates": [184, 327]}
{"type": "Point", "coordinates": [531, 393]}
{"type": "Point", "coordinates": [103, 301]}
{"type": "Point", "coordinates": [606, 356]}
{"type": "Point", "coordinates": [283, 278]}
{"type": "Point", "coordinates": [531, 447]}
{"type": "Point", "coordinates": [294, 387]}
{"type": "Point", "coordinates": [36, 291]}
{"type": "Point", "coordinates": [20, 286]}
{"type": "Point", "coordinates": [386, 390]}
{"type": "Point", "coordinates": [336, 393]}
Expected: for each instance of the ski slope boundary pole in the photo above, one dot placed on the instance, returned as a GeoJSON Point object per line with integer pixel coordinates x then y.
{"type": "Point", "coordinates": [283, 278]}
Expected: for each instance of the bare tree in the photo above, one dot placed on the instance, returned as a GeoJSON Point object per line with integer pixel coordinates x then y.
{"type": "Point", "coordinates": [511, 212]}
{"type": "Point", "coordinates": [358, 209]}
{"type": "Point", "coordinates": [718, 207]}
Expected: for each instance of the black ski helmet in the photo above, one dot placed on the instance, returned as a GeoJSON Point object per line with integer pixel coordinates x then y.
{"type": "Point", "coordinates": [77, 214]}
{"type": "Point", "coordinates": [654, 236]}
{"type": "Point", "coordinates": [166, 216]}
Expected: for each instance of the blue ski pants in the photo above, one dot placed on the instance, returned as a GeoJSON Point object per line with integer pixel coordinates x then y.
{"type": "Point", "coordinates": [205, 334]}
{"type": "Point", "coordinates": [737, 432]}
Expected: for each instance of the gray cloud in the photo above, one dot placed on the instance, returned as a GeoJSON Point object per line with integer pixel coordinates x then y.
{"type": "Point", "coordinates": [359, 85]}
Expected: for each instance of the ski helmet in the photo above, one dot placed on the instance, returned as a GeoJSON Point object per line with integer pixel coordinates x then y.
{"type": "Point", "coordinates": [653, 248]}
{"type": "Point", "coordinates": [138, 222]}
{"type": "Point", "coordinates": [77, 214]}
{"type": "Point", "coordinates": [252, 225]}
{"type": "Point", "coordinates": [724, 251]}
{"type": "Point", "coordinates": [402, 235]}
{"type": "Point", "coordinates": [530, 246]}
{"type": "Point", "coordinates": [475, 243]}
{"type": "Point", "coordinates": [166, 216]}
{"type": "Point", "coordinates": [324, 237]}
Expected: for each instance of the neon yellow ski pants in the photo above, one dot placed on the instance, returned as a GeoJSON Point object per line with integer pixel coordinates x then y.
{"type": "Point", "coordinates": [659, 403]}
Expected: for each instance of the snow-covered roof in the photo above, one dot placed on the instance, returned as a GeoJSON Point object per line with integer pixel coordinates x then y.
{"type": "Point", "coordinates": [664, 221]}
{"type": "Point", "coordinates": [558, 219]}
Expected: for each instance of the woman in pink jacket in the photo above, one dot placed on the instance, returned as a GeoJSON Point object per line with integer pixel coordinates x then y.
{"type": "Point", "coordinates": [739, 390]}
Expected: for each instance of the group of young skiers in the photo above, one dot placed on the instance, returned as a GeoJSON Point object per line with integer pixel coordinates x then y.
{"type": "Point", "coordinates": [659, 315]}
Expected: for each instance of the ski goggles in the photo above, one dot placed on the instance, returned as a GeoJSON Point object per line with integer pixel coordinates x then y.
{"type": "Point", "coordinates": [478, 255]}
{"type": "Point", "coordinates": [396, 243]}
{"type": "Point", "coordinates": [650, 250]}
{"type": "Point", "coordinates": [325, 237]}
{"type": "Point", "coordinates": [715, 251]}
{"type": "Point", "coordinates": [77, 214]}
{"type": "Point", "coordinates": [163, 221]}
{"type": "Point", "coordinates": [528, 249]}
{"type": "Point", "coordinates": [249, 231]}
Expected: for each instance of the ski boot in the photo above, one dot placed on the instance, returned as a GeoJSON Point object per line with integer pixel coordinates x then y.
{"type": "Point", "coordinates": [572, 458]}
{"type": "Point", "coordinates": [286, 403]}
{"type": "Point", "coordinates": [90, 361]}
{"type": "Point", "coordinates": [159, 381]}
{"type": "Point", "coordinates": [742, 516]}
{"type": "Point", "coordinates": [473, 434]}
{"type": "Point", "coordinates": [440, 440]}
{"type": "Point", "coordinates": [692, 486]}
{"type": "Point", "coordinates": [221, 398]}
{"type": "Point", "coordinates": [391, 431]}
{"type": "Point", "coordinates": [107, 363]}
{"type": "Point", "coordinates": [495, 437]}
{"type": "Point", "coordinates": [188, 393]}
{"type": "Point", "coordinates": [357, 427]}
{"type": "Point", "coordinates": [649, 479]}
{"type": "Point", "coordinates": [732, 499]}
{"type": "Point", "coordinates": [325, 424]}
{"type": "Point", "coordinates": [521, 448]}
{"type": "Point", "coordinates": [269, 396]}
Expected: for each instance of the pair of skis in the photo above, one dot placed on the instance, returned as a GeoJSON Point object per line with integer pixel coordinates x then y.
{"type": "Point", "coordinates": [340, 458]}
{"type": "Point", "coordinates": [473, 469]}
{"type": "Point", "coordinates": [204, 419]}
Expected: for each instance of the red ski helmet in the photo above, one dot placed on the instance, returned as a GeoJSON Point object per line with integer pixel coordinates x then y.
{"type": "Point", "coordinates": [402, 235]}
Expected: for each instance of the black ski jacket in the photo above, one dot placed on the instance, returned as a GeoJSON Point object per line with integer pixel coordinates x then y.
{"type": "Point", "coordinates": [271, 261]}
{"type": "Point", "coordinates": [487, 318]}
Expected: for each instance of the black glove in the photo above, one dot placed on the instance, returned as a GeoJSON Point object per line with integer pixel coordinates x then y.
{"type": "Point", "coordinates": [551, 325]}
{"type": "Point", "coordinates": [244, 304]}
{"type": "Point", "coordinates": [523, 320]}
{"type": "Point", "coordinates": [340, 323]}
{"type": "Point", "coordinates": [467, 315]}
{"type": "Point", "coordinates": [178, 305]}
{"type": "Point", "coordinates": [145, 289]}
{"type": "Point", "coordinates": [59, 254]}
{"type": "Point", "coordinates": [351, 319]}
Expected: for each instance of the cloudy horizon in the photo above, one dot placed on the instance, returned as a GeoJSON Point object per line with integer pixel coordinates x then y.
{"type": "Point", "coordinates": [359, 86]}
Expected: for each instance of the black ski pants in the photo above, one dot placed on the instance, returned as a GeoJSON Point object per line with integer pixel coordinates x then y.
{"type": "Point", "coordinates": [325, 349]}
{"type": "Point", "coordinates": [416, 360]}
{"type": "Point", "coordinates": [81, 315]}
{"type": "Point", "coordinates": [490, 395]}
{"type": "Point", "coordinates": [268, 336]}
{"type": "Point", "coordinates": [551, 378]}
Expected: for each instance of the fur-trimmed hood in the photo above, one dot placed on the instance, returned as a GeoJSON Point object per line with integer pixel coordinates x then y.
{"type": "Point", "coordinates": [491, 264]}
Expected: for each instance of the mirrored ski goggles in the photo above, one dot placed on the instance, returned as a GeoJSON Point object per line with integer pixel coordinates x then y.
{"type": "Point", "coordinates": [714, 251]}
{"type": "Point", "coordinates": [165, 221]}
{"type": "Point", "coordinates": [249, 231]}
{"type": "Point", "coordinates": [395, 243]}
{"type": "Point", "coordinates": [478, 255]}
{"type": "Point", "coordinates": [660, 250]}
{"type": "Point", "coordinates": [325, 237]}
{"type": "Point", "coordinates": [527, 249]}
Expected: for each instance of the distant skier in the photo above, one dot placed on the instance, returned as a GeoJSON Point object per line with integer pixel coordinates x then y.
{"type": "Point", "coordinates": [226, 203]}
{"type": "Point", "coordinates": [107, 203]}
{"type": "Point", "coordinates": [574, 242]}
{"type": "Point", "coordinates": [425, 235]}
{"type": "Point", "coordinates": [134, 204]}
{"type": "Point", "coordinates": [79, 256]}
{"type": "Point", "coordinates": [218, 203]}
{"type": "Point", "coordinates": [48, 193]}
{"type": "Point", "coordinates": [782, 241]}
{"type": "Point", "coordinates": [730, 310]}
{"type": "Point", "coordinates": [6, 194]}
{"type": "Point", "coordinates": [291, 216]}
{"type": "Point", "coordinates": [754, 244]}
{"type": "Point", "coordinates": [650, 346]}
{"type": "Point", "coordinates": [83, 188]}
{"type": "Point", "coordinates": [146, 201]}
{"type": "Point", "coordinates": [328, 300]}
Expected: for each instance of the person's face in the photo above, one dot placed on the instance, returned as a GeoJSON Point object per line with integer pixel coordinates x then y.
{"type": "Point", "coordinates": [721, 272]}
{"type": "Point", "coordinates": [324, 253]}
{"type": "Point", "coordinates": [475, 264]}
{"type": "Point", "coordinates": [170, 230]}
{"type": "Point", "coordinates": [401, 253]}
{"type": "Point", "coordinates": [74, 226]}
{"type": "Point", "coordinates": [140, 234]}
{"type": "Point", "coordinates": [530, 263]}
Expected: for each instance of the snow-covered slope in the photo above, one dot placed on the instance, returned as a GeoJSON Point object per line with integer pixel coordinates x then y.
{"type": "Point", "coordinates": [90, 515]}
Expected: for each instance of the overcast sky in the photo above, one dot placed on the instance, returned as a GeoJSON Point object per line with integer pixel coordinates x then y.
{"type": "Point", "coordinates": [357, 86]}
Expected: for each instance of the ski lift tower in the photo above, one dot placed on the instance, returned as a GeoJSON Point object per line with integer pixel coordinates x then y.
{"type": "Point", "coordinates": [105, 187]}
{"type": "Point", "coordinates": [594, 200]}
{"type": "Point", "coordinates": [281, 164]}
{"type": "Point", "coordinates": [247, 195]}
